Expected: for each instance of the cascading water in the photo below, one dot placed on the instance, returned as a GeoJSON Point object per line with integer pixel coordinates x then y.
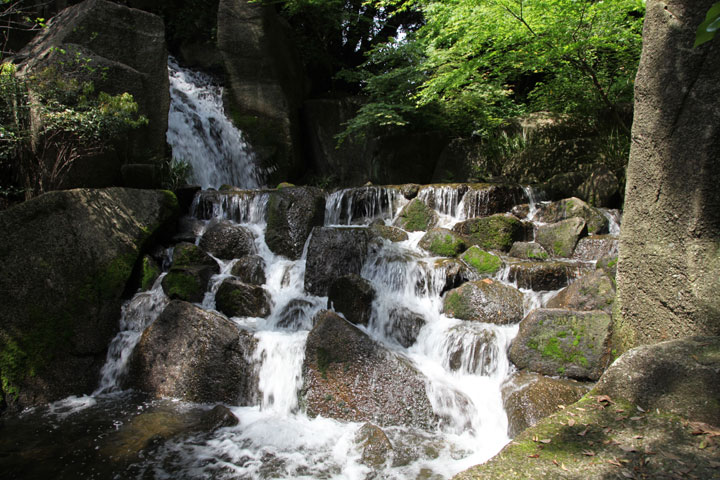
{"type": "Point", "coordinates": [200, 133]}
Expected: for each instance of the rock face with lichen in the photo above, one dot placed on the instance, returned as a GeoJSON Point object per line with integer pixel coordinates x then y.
{"type": "Point", "coordinates": [416, 216]}
{"type": "Point", "coordinates": [442, 242]}
{"type": "Point", "coordinates": [484, 301]}
{"type": "Point", "coordinates": [189, 274]}
{"type": "Point", "coordinates": [348, 376]}
{"type": "Point", "coordinates": [67, 260]}
{"type": "Point", "coordinates": [496, 232]}
{"type": "Point", "coordinates": [559, 239]}
{"type": "Point", "coordinates": [556, 341]}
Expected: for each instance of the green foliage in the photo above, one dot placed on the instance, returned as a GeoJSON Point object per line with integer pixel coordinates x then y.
{"type": "Point", "coordinates": [709, 27]}
{"type": "Point", "coordinates": [176, 173]}
{"type": "Point", "coordinates": [474, 64]}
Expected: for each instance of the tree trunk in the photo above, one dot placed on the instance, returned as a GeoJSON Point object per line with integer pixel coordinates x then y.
{"type": "Point", "coordinates": [669, 268]}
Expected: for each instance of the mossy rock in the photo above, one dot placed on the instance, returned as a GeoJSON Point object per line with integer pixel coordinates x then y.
{"type": "Point", "coordinates": [596, 222]}
{"type": "Point", "coordinates": [529, 251]}
{"type": "Point", "coordinates": [560, 239]}
{"type": "Point", "coordinates": [563, 342]}
{"type": "Point", "coordinates": [608, 264]}
{"type": "Point", "coordinates": [227, 240]}
{"type": "Point", "coordinates": [150, 272]}
{"type": "Point", "coordinates": [442, 242]}
{"type": "Point", "coordinates": [416, 217]}
{"type": "Point", "coordinates": [237, 299]}
{"type": "Point", "coordinates": [375, 446]}
{"type": "Point", "coordinates": [595, 291]}
{"type": "Point", "coordinates": [497, 232]}
{"type": "Point", "coordinates": [388, 232]}
{"type": "Point", "coordinates": [484, 301]}
{"type": "Point", "coordinates": [482, 262]}
{"type": "Point", "coordinates": [186, 283]}
{"type": "Point", "coordinates": [188, 254]}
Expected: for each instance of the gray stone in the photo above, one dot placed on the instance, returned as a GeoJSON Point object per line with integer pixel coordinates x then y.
{"type": "Point", "coordinates": [237, 299]}
{"type": "Point", "coordinates": [403, 326]}
{"type": "Point", "coordinates": [528, 250]}
{"type": "Point", "coordinates": [375, 445]}
{"type": "Point", "coordinates": [595, 291]}
{"type": "Point", "coordinates": [333, 253]}
{"type": "Point", "coordinates": [194, 355]}
{"type": "Point", "coordinates": [68, 257]}
{"type": "Point", "coordinates": [564, 342]}
{"type": "Point", "coordinates": [601, 188]}
{"type": "Point", "coordinates": [594, 247]}
{"type": "Point", "coordinates": [350, 377]}
{"type": "Point", "coordinates": [442, 242]}
{"type": "Point", "coordinates": [678, 376]}
{"type": "Point", "coordinates": [291, 215]}
{"type": "Point", "coordinates": [416, 216]}
{"type": "Point", "coordinates": [189, 274]}
{"type": "Point", "coordinates": [573, 207]}
{"type": "Point", "coordinates": [559, 239]}
{"type": "Point", "coordinates": [226, 241]}
{"type": "Point", "coordinates": [250, 269]}
{"type": "Point", "coordinates": [388, 232]}
{"type": "Point", "coordinates": [484, 301]}
{"type": "Point", "coordinates": [544, 276]}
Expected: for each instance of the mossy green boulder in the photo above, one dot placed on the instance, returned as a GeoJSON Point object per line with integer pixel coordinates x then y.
{"type": "Point", "coordinates": [482, 262]}
{"type": "Point", "coordinates": [486, 301]}
{"type": "Point", "coordinates": [595, 291]}
{"type": "Point", "coordinates": [189, 274]}
{"type": "Point", "coordinates": [442, 243]}
{"type": "Point", "coordinates": [416, 217]}
{"type": "Point", "coordinates": [67, 260]}
{"type": "Point", "coordinates": [150, 272]}
{"type": "Point", "coordinates": [496, 232]}
{"type": "Point", "coordinates": [563, 342]}
{"type": "Point", "coordinates": [559, 239]}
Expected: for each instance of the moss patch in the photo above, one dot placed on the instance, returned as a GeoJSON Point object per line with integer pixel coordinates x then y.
{"type": "Point", "coordinates": [497, 232]}
{"type": "Point", "coordinates": [416, 216]}
{"type": "Point", "coordinates": [481, 261]}
{"type": "Point", "coordinates": [184, 285]}
{"type": "Point", "coordinates": [150, 273]}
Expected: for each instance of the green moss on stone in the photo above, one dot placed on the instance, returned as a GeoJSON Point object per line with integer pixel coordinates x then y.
{"type": "Point", "coordinates": [416, 216]}
{"type": "Point", "coordinates": [483, 262]}
{"type": "Point", "coordinates": [183, 285]}
{"type": "Point", "coordinates": [446, 245]}
{"type": "Point", "coordinates": [150, 273]}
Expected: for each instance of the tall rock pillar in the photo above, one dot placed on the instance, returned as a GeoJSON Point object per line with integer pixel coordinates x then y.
{"type": "Point", "coordinates": [669, 268]}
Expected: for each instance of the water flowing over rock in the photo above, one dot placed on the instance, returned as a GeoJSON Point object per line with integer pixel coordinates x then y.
{"type": "Point", "coordinates": [387, 232]}
{"type": "Point", "coordinates": [404, 326]}
{"type": "Point", "coordinates": [250, 269]}
{"type": "Point", "coordinates": [556, 341]}
{"type": "Point", "coordinates": [291, 215]}
{"type": "Point", "coordinates": [484, 301]}
{"type": "Point", "coordinates": [363, 205]}
{"type": "Point", "coordinates": [333, 253]}
{"type": "Point", "coordinates": [348, 376]}
{"type": "Point", "coordinates": [67, 259]}
{"type": "Point", "coordinates": [201, 134]}
{"type": "Point", "coordinates": [352, 296]}
{"type": "Point", "coordinates": [416, 216]}
{"type": "Point", "coordinates": [194, 355]}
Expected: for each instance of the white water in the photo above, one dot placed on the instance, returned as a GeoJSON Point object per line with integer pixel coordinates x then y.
{"type": "Point", "coordinates": [200, 133]}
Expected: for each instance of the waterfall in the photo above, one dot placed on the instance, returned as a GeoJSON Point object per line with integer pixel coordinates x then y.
{"type": "Point", "coordinates": [200, 133]}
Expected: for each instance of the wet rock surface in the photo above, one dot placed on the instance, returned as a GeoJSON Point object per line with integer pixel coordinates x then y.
{"type": "Point", "coordinates": [333, 253]}
{"type": "Point", "coordinates": [497, 232]}
{"type": "Point", "coordinates": [482, 262]}
{"type": "Point", "coordinates": [189, 274]}
{"type": "Point", "coordinates": [348, 376]}
{"type": "Point", "coordinates": [416, 216]}
{"type": "Point", "coordinates": [250, 269]}
{"type": "Point", "coordinates": [194, 355]}
{"type": "Point", "coordinates": [594, 291]}
{"type": "Point", "coordinates": [442, 242]}
{"type": "Point", "coordinates": [226, 240]}
{"type": "Point", "coordinates": [484, 301]}
{"type": "Point", "coordinates": [595, 247]}
{"type": "Point", "coordinates": [543, 276]}
{"type": "Point", "coordinates": [564, 342]}
{"type": "Point", "coordinates": [404, 326]}
{"type": "Point", "coordinates": [352, 296]}
{"type": "Point", "coordinates": [567, 208]}
{"type": "Point", "coordinates": [291, 215]}
{"type": "Point", "coordinates": [237, 299]}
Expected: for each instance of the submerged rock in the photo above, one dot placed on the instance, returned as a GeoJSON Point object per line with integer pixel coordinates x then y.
{"type": "Point", "coordinates": [562, 342]}
{"type": "Point", "coordinates": [595, 291]}
{"type": "Point", "coordinates": [387, 232]}
{"type": "Point", "coordinates": [416, 216]}
{"type": "Point", "coordinates": [484, 301]}
{"type": "Point", "coordinates": [497, 232]}
{"type": "Point", "coordinates": [442, 242]}
{"type": "Point", "coordinates": [291, 215]}
{"type": "Point", "coordinates": [529, 397]}
{"type": "Point", "coordinates": [334, 252]}
{"type": "Point", "coordinates": [194, 355]}
{"type": "Point", "coordinates": [352, 296]}
{"type": "Point", "coordinates": [678, 376]}
{"type": "Point", "coordinates": [67, 260]}
{"type": "Point", "coordinates": [237, 299]}
{"type": "Point", "coordinates": [559, 239]}
{"type": "Point", "coordinates": [350, 377]}
{"type": "Point", "coordinates": [375, 446]}
{"type": "Point", "coordinates": [227, 240]}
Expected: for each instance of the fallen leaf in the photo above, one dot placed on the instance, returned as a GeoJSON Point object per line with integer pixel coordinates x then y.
{"type": "Point", "coordinates": [614, 462]}
{"type": "Point", "coordinates": [619, 410]}
{"type": "Point", "coordinates": [703, 444]}
{"type": "Point", "coordinates": [588, 453]}
{"type": "Point", "coordinates": [571, 422]}
{"type": "Point", "coordinates": [700, 428]}
{"type": "Point", "coordinates": [580, 408]}
{"type": "Point", "coordinates": [635, 418]}
{"type": "Point", "coordinates": [555, 461]}
{"type": "Point", "coordinates": [545, 440]}
{"type": "Point", "coordinates": [488, 281]}
{"type": "Point", "coordinates": [584, 432]}
{"type": "Point", "coordinates": [627, 474]}
{"type": "Point", "coordinates": [561, 407]}
{"type": "Point", "coordinates": [638, 437]}
{"type": "Point", "coordinates": [714, 464]}
{"type": "Point", "coordinates": [640, 408]}
{"type": "Point", "coordinates": [562, 465]}
{"type": "Point", "coordinates": [621, 418]}
{"type": "Point", "coordinates": [603, 398]}
{"type": "Point", "coordinates": [537, 455]}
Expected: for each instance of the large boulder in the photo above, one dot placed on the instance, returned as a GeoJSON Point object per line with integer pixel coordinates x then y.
{"type": "Point", "coordinates": [596, 222]}
{"type": "Point", "coordinates": [67, 260]}
{"type": "Point", "coordinates": [564, 342]}
{"type": "Point", "coordinates": [388, 232]}
{"type": "Point", "coordinates": [529, 397]}
{"type": "Point", "coordinates": [595, 291]}
{"type": "Point", "coordinates": [484, 301]}
{"type": "Point", "coordinates": [559, 239]}
{"type": "Point", "coordinates": [194, 355]}
{"type": "Point", "coordinates": [548, 275]}
{"type": "Point", "coordinates": [442, 242]}
{"type": "Point", "coordinates": [416, 216]}
{"type": "Point", "coordinates": [496, 232]}
{"type": "Point", "coordinates": [678, 376]}
{"type": "Point", "coordinates": [348, 376]}
{"type": "Point", "coordinates": [595, 247]}
{"type": "Point", "coordinates": [529, 251]}
{"type": "Point", "coordinates": [291, 215]}
{"type": "Point", "coordinates": [226, 241]}
{"type": "Point", "coordinates": [250, 269]}
{"type": "Point", "coordinates": [352, 296]}
{"type": "Point", "coordinates": [118, 49]}
{"type": "Point", "coordinates": [333, 253]}
{"type": "Point", "coordinates": [189, 274]}
{"type": "Point", "coordinates": [483, 199]}
{"type": "Point", "coordinates": [237, 299]}
{"type": "Point", "coordinates": [667, 272]}
{"type": "Point", "coordinates": [403, 325]}
{"type": "Point", "coordinates": [266, 83]}
{"type": "Point", "coordinates": [482, 262]}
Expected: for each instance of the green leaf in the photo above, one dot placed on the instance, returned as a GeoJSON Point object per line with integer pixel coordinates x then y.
{"type": "Point", "coordinates": [707, 29]}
